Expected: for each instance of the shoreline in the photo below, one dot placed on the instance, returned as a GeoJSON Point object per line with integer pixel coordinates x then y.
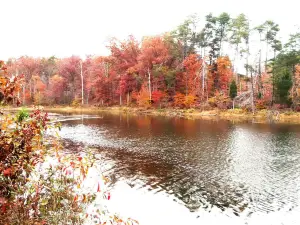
{"type": "Point", "coordinates": [235, 115]}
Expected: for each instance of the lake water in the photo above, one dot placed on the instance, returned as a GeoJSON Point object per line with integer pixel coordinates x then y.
{"type": "Point", "coordinates": [184, 171]}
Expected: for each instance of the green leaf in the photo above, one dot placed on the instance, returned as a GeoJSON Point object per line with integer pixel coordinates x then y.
{"type": "Point", "coordinates": [44, 202]}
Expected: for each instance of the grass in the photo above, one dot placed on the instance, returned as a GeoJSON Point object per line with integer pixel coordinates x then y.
{"type": "Point", "coordinates": [261, 116]}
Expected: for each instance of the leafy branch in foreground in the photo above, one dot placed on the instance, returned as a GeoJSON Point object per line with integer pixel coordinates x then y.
{"type": "Point", "coordinates": [38, 184]}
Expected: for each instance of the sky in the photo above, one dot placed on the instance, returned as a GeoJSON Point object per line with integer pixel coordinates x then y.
{"type": "Point", "coordinates": [42, 28]}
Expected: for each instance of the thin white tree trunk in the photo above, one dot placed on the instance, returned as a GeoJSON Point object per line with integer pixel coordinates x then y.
{"type": "Point", "coordinates": [236, 64]}
{"type": "Point", "coordinates": [149, 81]}
{"type": "Point", "coordinates": [17, 74]}
{"type": "Point", "coordinates": [252, 94]}
{"type": "Point", "coordinates": [128, 98]}
{"type": "Point", "coordinates": [81, 74]}
{"type": "Point", "coordinates": [203, 76]}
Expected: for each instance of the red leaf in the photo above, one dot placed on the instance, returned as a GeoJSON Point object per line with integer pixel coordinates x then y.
{"type": "Point", "coordinates": [7, 172]}
{"type": "Point", "coordinates": [98, 188]}
{"type": "Point", "coordinates": [72, 164]}
{"type": "Point", "coordinates": [75, 198]}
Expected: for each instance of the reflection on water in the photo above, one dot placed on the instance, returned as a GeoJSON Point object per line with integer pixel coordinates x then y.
{"type": "Point", "coordinates": [238, 170]}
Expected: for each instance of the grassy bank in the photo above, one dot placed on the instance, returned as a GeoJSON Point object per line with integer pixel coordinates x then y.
{"type": "Point", "coordinates": [261, 116]}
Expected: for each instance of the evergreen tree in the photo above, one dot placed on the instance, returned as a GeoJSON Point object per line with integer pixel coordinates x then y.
{"type": "Point", "coordinates": [282, 87]}
{"type": "Point", "coordinates": [233, 90]}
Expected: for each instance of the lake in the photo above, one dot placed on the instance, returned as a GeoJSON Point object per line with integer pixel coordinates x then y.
{"type": "Point", "coordinates": [192, 171]}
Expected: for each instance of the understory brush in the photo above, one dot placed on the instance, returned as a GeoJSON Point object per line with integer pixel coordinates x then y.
{"type": "Point", "coordinates": [39, 184]}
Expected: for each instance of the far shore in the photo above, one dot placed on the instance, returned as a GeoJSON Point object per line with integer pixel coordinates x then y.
{"type": "Point", "coordinates": [237, 115]}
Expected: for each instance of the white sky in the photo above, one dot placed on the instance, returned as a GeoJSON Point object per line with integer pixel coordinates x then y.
{"type": "Point", "coordinates": [79, 27]}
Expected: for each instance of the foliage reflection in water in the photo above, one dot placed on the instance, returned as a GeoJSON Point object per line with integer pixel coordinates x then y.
{"type": "Point", "coordinates": [237, 170]}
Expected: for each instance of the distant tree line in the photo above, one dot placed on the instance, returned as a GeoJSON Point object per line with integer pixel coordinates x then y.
{"type": "Point", "coordinates": [191, 66]}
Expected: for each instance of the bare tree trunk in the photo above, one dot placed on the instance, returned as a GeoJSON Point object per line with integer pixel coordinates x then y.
{"type": "Point", "coordinates": [17, 74]}
{"type": "Point", "coordinates": [238, 83]}
{"type": "Point", "coordinates": [128, 98]}
{"type": "Point", "coordinates": [247, 60]}
{"type": "Point", "coordinates": [149, 84]}
{"type": "Point", "coordinates": [266, 54]}
{"type": "Point", "coordinates": [259, 74]}
{"type": "Point", "coordinates": [203, 76]}
{"type": "Point", "coordinates": [235, 64]}
{"type": "Point", "coordinates": [87, 98]}
{"type": "Point", "coordinates": [252, 94]}
{"type": "Point", "coordinates": [111, 92]}
{"type": "Point", "coordinates": [81, 74]}
{"type": "Point", "coordinates": [206, 89]}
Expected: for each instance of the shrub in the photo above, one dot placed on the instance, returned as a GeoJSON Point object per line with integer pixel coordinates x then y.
{"type": "Point", "coordinates": [236, 111]}
{"type": "Point", "coordinates": [205, 106]}
{"type": "Point", "coordinates": [220, 101]}
{"type": "Point", "coordinates": [189, 100]}
{"type": "Point", "coordinates": [183, 101]}
{"type": "Point", "coordinates": [289, 113]}
{"type": "Point", "coordinates": [21, 149]}
{"type": "Point", "coordinates": [143, 99]}
{"type": "Point", "coordinates": [260, 104]}
{"type": "Point", "coordinates": [42, 186]}
{"type": "Point", "coordinates": [280, 106]}
{"type": "Point", "coordinates": [179, 100]}
{"type": "Point", "coordinates": [76, 102]}
{"type": "Point", "coordinates": [22, 115]}
{"type": "Point", "coordinates": [158, 97]}
{"type": "Point", "coordinates": [32, 191]}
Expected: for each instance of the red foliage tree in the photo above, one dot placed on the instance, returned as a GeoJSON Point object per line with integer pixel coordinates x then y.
{"type": "Point", "coordinates": [124, 60]}
{"type": "Point", "coordinates": [28, 66]}
{"type": "Point", "coordinates": [153, 63]}
{"type": "Point", "coordinates": [192, 66]}
{"type": "Point", "coordinates": [69, 69]}
{"type": "Point", "coordinates": [57, 87]}
{"type": "Point", "coordinates": [220, 73]}
{"type": "Point", "coordinates": [102, 81]}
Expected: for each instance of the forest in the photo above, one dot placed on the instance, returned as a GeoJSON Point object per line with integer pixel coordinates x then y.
{"type": "Point", "coordinates": [221, 63]}
{"type": "Point", "coordinates": [191, 66]}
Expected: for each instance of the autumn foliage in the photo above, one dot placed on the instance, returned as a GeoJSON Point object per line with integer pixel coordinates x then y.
{"type": "Point", "coordinates": [34, 190]}
{"type": "Point", "coordinates": [147, 74]}
{"type": "Point", "coordinates": [161, 71]}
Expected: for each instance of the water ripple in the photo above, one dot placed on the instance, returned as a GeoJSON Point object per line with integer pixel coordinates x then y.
{"type": "Point", "coordinates": [242, 170]}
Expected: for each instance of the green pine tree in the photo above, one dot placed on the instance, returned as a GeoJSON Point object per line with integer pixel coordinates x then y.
{"type": "Point", "coordinates": [233, 90]}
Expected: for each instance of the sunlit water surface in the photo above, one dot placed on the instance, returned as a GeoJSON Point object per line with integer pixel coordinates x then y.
{"type": "Point", "coordinates": [181, 171]}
